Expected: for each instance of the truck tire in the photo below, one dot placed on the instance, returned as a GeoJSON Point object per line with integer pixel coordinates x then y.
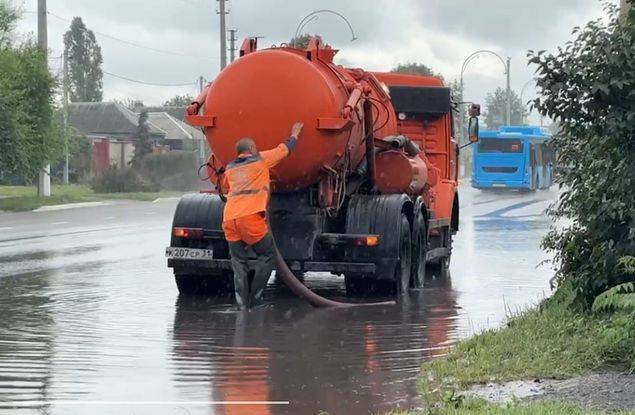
{"type": "Point", "coordinates": [404, 266]}
{"type": "Point", "coordinates": [201, 211]}
{"type": "Point", "coordinates": [387, 216]}
{"type": "Point", "coordinates": [214, 283]}
{"type": "Point", "coordinates": [419, 249]}
{"type": "Point", "coordinates": [441, 267]}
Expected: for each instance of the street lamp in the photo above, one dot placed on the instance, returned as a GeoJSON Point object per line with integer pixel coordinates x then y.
{"type": "Point", "coordinates": [306, 22]}
{"type": "Point", "coordinates": [506, 65]}
{"type": "Point", "coordinates": [309, 17]}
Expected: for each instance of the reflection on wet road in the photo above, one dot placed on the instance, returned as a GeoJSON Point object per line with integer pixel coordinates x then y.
{"type": "Point", "coordinates": [91, 321]}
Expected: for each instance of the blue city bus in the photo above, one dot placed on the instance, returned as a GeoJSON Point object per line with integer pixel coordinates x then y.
{"type": "Point", "coordinates": [517, 157]}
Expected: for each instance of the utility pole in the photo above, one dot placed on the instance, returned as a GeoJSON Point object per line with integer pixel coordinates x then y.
{"type": "Point", "coordinates": [508, 111]}
{"type": "Point", "coordinates": [223, 41]}
{"type": "Point", "coordinates": [65, 107]}
{"type": "Point", "coordinates": [232, 44]}
{"type": "Point", "coordinates": [44, 179]}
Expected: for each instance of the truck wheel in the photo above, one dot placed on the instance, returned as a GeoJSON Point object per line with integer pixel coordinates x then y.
{"type": "Point", "coordinates": [399, 284]}
{"type": "Point", "coordinates": [387, 216]}
{"type": "Point", "coordinates": [191, 285]}
{"type": "Point", "coordinates": [404, 266]}
{"type": "Point", "coordinates": [419, 250]}
{"type": "Point", "coordinates": [441, 267]}
{"type": "Point", "coordinates": [201, 211]}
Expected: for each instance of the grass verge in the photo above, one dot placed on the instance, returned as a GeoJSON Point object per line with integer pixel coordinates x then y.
{"type": "Point", "coordinates": [549, 341]}
{"type": "Point", "coordinates": [24, 198]}
{"type": "Point", "coordinates": [480, 407]}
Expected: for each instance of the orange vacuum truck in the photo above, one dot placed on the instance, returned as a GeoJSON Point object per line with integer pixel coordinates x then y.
{"type": "Point", "coordinates": [370, 191]}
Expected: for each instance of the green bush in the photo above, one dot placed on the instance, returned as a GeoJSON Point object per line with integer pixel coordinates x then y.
{"type": "Point", "coordinates": [176, 170]}
{"type": "Point", "coordinates": [29, 135]}
{"type": "Point", "coordinates": [124, 180]}
{"type": "Point", "coordinates": [622, 296]}
{"type": "Point", "coordinates": [588, 87]}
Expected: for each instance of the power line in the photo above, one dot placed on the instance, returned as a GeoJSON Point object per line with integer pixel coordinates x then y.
{"type": "Point", "coordinates": [137, 45]}
{"type": "Point", "coordinates": [136, 81]}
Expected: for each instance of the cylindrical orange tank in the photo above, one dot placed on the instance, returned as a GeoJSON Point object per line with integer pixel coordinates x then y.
{"type": "Point", "coordinates": [264, 92]}
{"type": "Point", "coordinates": [398, 173]}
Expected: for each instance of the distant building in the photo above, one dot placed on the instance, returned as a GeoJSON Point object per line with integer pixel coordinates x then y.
{"type": "Point", "coordinates": [111, 128]}
{"type": "Point", "coordinates": [178, 135]}
{"type": "Point", "coordinates": [177, 112]}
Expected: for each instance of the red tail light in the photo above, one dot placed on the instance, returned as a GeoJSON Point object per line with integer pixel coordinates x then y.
{"type": "Point", "coordinates": [188, 233]}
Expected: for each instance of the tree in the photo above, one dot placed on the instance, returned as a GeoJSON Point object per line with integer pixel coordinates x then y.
{"type": "Point", "coordinates": [587, 87]}
{"type": "Point", "coordinates": [84, 56]}
{"type": "Point", "coordinates": [301, 41]}
{"type": "Point", "coordinates": [28, 134]}
{"type": "Point", "coordinates": [413, 68]}
{"type": "Point", "coordinates": [179, 101]}
{"type": "Point", "coordinates": [496, 109]}
{"type": "Point", "coordinates": [8, 19]}
{"type": "Point", "coordinates": [143, 146]}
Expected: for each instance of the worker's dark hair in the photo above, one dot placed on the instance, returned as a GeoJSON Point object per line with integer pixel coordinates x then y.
{"type": "Point", "coordinates": [244, 145]}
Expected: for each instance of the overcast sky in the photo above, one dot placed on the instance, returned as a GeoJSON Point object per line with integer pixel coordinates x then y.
{"type": "Point", "coordinates": [439, 33]}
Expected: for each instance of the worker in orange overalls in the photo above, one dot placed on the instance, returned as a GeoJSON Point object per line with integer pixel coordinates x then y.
{"type": "Point", "coordinates": [244, 219]}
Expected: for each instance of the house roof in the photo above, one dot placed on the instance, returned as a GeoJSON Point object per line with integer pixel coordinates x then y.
{"type": "Point", "coordinates": [106, 118]}
{"type": "Point", "coordinates": [176, 111]}
{"type": "Point", "coordinates": [173, 128]}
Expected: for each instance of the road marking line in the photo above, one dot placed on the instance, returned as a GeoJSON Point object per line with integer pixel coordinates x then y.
{"type": "Point", "coordinates": [164, 199]}
{"type": "Point", "coordinates": [59, 223]}
{"type": "Point", "coordinates": [27, 404]}
{"type": "Point", "coordinates": [6, 228]}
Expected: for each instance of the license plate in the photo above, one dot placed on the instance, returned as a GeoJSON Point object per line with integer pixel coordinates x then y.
{"type": "Point", "coordinates": [188, 253]}
{"type": "Point", "coordinates": [499, 185]}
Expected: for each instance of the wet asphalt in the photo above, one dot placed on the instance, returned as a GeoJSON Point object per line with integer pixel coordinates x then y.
{"type": "Point", "coordinates": [91, 321]}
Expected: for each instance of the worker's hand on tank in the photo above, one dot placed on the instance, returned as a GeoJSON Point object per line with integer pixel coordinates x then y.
{"type": "Point", "coordinates": [296, 129]}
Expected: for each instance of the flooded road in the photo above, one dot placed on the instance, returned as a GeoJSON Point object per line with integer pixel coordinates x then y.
{"type": "Point", "coordinates": [91, 323]}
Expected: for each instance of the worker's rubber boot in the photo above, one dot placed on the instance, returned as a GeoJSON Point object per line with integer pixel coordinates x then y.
{"type": "Point", "coordinates": [264, 266]}
{"type": "Point", "coordinates": [240, 265]}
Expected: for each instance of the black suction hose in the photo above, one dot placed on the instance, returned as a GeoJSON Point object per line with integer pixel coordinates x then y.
{"type": "Point", "coordinates": [284, 273]}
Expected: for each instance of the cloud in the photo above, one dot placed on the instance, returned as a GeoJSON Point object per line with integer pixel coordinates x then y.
{"type": "Point", "coordinates": [435, 32]}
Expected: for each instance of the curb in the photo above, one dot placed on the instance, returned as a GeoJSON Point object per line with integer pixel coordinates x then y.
{"type": "Point", "coordinates": [165, 199]}
{"type": "Point", "coordinates": [70, 206]}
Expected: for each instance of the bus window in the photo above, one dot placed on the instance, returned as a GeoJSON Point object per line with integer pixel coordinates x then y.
{"type": "Point", "coordinates": [497, 145]}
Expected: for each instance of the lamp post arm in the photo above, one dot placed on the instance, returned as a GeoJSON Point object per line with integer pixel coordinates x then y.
{"type": "Point", "coordinates": [313, 13]}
